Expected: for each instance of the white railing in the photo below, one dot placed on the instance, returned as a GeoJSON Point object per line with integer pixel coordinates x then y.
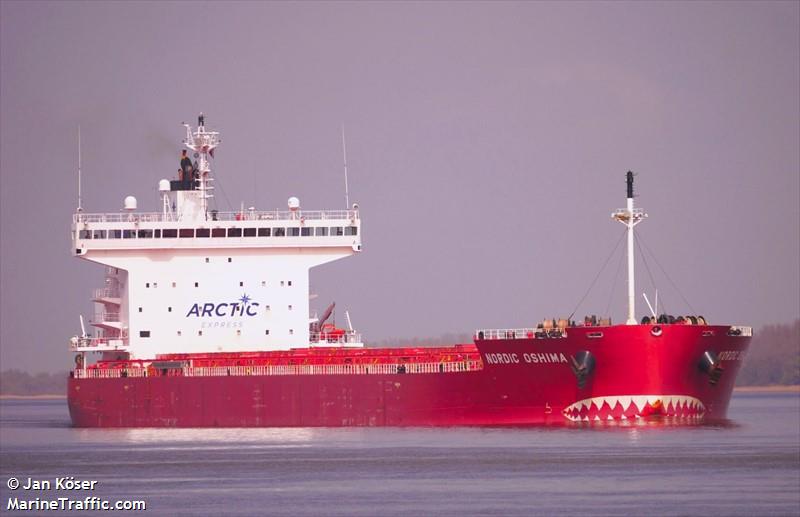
{"type": "Point", "coordinates": [622, 214]}
{"type": "Point", "coordinates": [101, 316]}
{"type": "Point", "coordinates": [317, 338]}
{"type": "Point", "coordinates": [79, 344]}
{"type": "Point", "coordinates": [108, 373]}
{"type": "Point", "coordinates": [247, 215]}
{"type": "Point", "coordinates": [523, 333]}
{"type": "Point", "coordinates": [305, 369]}
{"type": "Point", "coordinates": [105, 292]}
{"type": "Point", "coordinates": [740, 331]}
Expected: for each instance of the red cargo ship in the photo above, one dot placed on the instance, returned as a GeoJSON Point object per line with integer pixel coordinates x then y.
{"type": "Point", "coordinates": [204, 322]}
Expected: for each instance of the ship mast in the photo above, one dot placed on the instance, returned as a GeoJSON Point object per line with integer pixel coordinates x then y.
{"type": "Point", "coordinates": [203, 143]}
{"type": "Point", "coordinates": [630, 217]}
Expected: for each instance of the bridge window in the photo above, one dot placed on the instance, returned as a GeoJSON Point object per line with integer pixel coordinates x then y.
{"type": "Point", "coordinates": [85, 234]}
{"type": "Point", "coordinates": [169, 309]}
{"type": "Point", "coordinates": [290, 283]}
{"type": "Point", "coordinates": [202, 232]}
{"type": "Point", "coordinates": [337, 230]}
{"type": "Point", "coordinates": [197, 284]}
{"type": "Point", "coordinates": [186, 233]}
{"type": "Point", "coordinates": [128, 234]}
{"type": "Point", "coordinates": [292, 232]}
{"type": "Point", "coordinates": [99, 234]}
{"type": "Point", "coordinates": [114, 234]}
{"type": "Point", "coordinates": [241, 284]}
{"type": "Point", "coordinates": [279, 232]}
{"type": "Point", "coordinates": [208, 260]}
{"type": "Point", "coordinates": [290, 307]}
{"type": "Point", "coordinates": [157, 234]}
{"type": "Point", "coordinates": [322, 231]}
{"type": "Point", "coordinates": [250, 232]}
{"type": "Point", "coordinates": [147, 285]}
{"type": "Point", "coordinates": [169, 233]}
{"type": "Point", "coordinates": [263, 232]}
{"type": "Point", "coordinates": [199, 332]}
{"type": "Point", "coordinates": [140, 309]}
{"type": "Point", "coordinates": [145, 234]}
{"type": "Point", "coordinates": [291, 332]}
{"type": "Point", "coordinates": [305, 232]}
{"type": "Point", "coordinates": [144, 333]}
{"type": "Point", "coordinates": [218, 232]}
{"type": "Point", "coordinates": [179, 332]}
{"type": "Point", "coordinates": [351, 230]}
{"type": "Point", "coordinates": [234, 232]}
{"type": "Point", "coordinates": [266, 332]}
{"type": "Point", "coordinates": [230, 259]}
{"type": "Point", "coordinates": [263, 283]}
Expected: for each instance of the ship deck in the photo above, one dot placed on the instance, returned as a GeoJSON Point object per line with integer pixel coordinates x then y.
{"type": "Point", "coordinates": [301, 361]}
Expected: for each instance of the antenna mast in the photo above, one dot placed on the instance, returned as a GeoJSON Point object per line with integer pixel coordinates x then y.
{"type": "Point", "coordinates": [344, 156]}
{"type": "Point", "coordinates": [80, 206]}
{"type": "Point", "coordinates": [203, 143]}
{"type": "Point", "coordinates": [630, 217]}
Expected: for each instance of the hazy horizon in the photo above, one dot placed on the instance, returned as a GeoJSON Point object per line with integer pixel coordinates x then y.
{"type": "Point", "coordinates": [487, 145]}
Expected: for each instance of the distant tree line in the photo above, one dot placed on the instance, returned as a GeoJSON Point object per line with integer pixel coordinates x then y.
{"type": "Point", "coordinates": [773, 358]}
{"type": "Point", "coordinates": [16, 382]}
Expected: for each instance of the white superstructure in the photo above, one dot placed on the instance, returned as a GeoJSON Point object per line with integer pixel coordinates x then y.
{"type": "Point", "coordinates": [188, 279]}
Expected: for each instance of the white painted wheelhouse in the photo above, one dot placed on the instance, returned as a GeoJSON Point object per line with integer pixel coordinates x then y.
{"type": "Point", "coordinates": [188, 279]}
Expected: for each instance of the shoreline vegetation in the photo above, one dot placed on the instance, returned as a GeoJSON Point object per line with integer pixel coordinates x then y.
{"type": "Point", "coordinates": [772, 364]}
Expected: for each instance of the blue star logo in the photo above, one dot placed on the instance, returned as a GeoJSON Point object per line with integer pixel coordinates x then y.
{"type": "Point", "coordinates": [245, 299]}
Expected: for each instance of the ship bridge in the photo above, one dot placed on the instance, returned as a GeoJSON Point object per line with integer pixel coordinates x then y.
{"type": "Point", "coordinates": [222, 230]}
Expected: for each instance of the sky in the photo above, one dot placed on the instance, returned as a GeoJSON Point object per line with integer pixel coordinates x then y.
{"type": "Point", "coordinates": [487, 146]}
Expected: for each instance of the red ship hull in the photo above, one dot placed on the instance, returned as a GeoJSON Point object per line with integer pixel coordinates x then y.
{"type": "Point", "coordinates": [635, 372]}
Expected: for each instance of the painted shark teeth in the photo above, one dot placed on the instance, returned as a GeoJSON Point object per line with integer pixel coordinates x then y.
{"type": "Point", "coordinates": [624, 407]}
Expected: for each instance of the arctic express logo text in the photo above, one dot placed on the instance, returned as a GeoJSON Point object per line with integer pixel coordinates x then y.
{"type": "Point", "coordinates": [243, 307]}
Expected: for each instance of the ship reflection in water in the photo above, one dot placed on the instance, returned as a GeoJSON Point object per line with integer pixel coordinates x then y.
{"type": "Point", "coordinates": [276, 436]}
{"type": "Point", "coordinates": [299, 436]}
{"type": "Point", "coordinates": [746, 466]}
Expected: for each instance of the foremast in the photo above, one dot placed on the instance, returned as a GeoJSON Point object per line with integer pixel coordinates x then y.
{"type": "Point", "coordinates": [630, 217]}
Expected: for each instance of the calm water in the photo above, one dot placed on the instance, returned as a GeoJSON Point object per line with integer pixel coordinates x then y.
{"type": "Point", "coordinates": [749, 467]}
